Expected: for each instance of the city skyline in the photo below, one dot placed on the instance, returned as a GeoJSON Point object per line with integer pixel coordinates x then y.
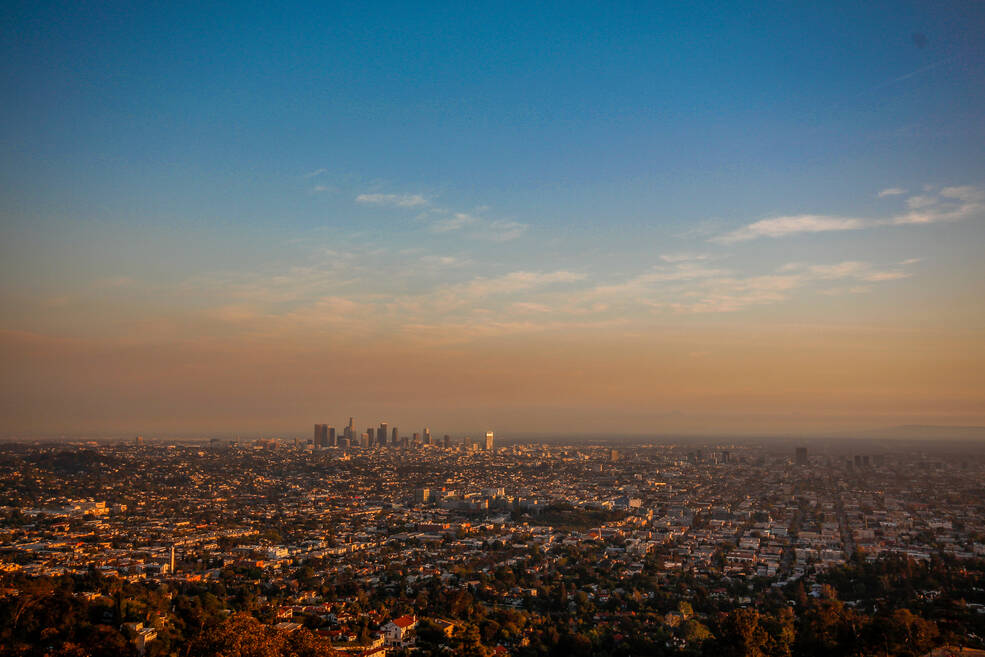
{"type": "Point", "coordinates": [325, 436]}
{"type": "Point", "coordinates": [760, 219]}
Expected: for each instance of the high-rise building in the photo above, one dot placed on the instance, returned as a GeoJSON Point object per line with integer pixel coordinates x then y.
{"type": "Point", "coordinates": [333, 440]}
{"type": "Point", "coordinates": [395, 438]}
{"type": "Point", "coordinates": [381, 434]}
{"type": "Point", "coordinates": [801, 456]}
{"type": "Point", "coordinates": [371, 436]}
{"type": "Point", "coordinates": [489, 441]}
{"type": "Point", "coordinates": [350, 430]}
{"type": "Point", "coordinates": [422, 495]}
{"type": "Point", "coordinates": [613, 454]}
{"type": "Point", "coordinates": [138, 441]}
{"type": "Point", "coordinates": [427, 436]}
{"type": "Point", "coordinates": [447, 441]}
{"type": "Point", "coordinates": [321, 435]}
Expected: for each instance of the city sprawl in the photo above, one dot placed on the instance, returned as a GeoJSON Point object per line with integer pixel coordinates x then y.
{"type": "Point", "coordinates": [425, 545]}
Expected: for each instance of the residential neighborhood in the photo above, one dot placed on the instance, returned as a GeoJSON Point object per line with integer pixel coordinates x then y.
{"type": "Point", "coordinates": [372, 549]}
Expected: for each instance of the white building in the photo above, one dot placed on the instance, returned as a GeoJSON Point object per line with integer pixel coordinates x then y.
{"type": "Point", "coordinates": [397, 631]}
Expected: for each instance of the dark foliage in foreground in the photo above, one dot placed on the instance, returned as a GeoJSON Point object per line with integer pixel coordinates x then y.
{"type": "Point", "coordinates": [892, 606]}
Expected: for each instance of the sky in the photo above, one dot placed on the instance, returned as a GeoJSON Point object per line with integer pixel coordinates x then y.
{"type": "Point", "coordinates": [649, 218]}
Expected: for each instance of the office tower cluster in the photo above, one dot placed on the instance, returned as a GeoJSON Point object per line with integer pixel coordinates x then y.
{"type": "Point", "coordinates": [384, 436]}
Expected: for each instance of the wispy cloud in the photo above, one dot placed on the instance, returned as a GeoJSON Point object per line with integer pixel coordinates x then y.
{"type": "Point", "coordinates": [891, 191]}
{"type": "Point", "coordinates": [395, 200]}
{"type": "Point", "coordinates": [966, 193]}
{"type": "Point", "coordinates": [474, 225]}
{"type": "Point", "coordinates": [455, 221]}
{"type": "Point", "coordinates": [644, 284]}
{"type": "Point", "coordinates": [861, 271]}
{"type": "Point", "coordinates": [354, 290]}
{"type": "Point", "coordinates": [530, 307]}
{"type": "Point", "coordinates": [689, 288]}
{"type": "Point", "coordinates": [485, 297]}
{"type": "Point", "coordinates": [315, 173]}
{"type": "Point", "coordinates": [948, 204]}
{"type": "Point", "coordinates": [443, 261]}
{"type": "Point", "coordinates": [790, 225]}
{"type": "Point", "coordinates": [443, 220]}
{"type": "Point", "coordinates": [910, 74]}
{"type": "Point", "coordinates": [684, 257]}
{"type": "Point", "coordinates": [841, 291]}
{"type": "Point", "coordinates": [516, 281]}
{"type": "Point", "coordinates": [501, 230]}
{"type": "Point", "coordinates": [729, 294]}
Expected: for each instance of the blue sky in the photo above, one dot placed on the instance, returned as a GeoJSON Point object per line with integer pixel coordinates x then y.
{"type": "Point", "coordinates": [635, 104]}
{"type": "Point", "coordinates": [255, 169]}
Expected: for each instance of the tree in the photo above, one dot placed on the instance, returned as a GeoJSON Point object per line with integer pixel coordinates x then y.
{"type": "Point", "coordinates": [826, 627]}
{"type": "Point", "coordinates": [741, 635]}
{"type": "Point", "coordinates": [903, 633]}
{"type": "Point", "coordinates": [241, 635]}
{"type": "Point", "coordinates": [694, 631]}
{"type": "Point", "coordinates": [471, 645]}
{"type": "Point", "coordinates": [106, 641]}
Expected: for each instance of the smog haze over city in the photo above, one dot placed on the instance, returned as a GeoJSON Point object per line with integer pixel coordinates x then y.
{"type": "Point", "coordinates": [492, 329]}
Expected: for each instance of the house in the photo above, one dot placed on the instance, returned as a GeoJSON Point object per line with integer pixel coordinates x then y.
{"type": "Point", "coordinates": [396, 631]}
{"type": "Point", "coordinates": [447, 627]}
{"type": "Point", "coordinates": [141, 635]}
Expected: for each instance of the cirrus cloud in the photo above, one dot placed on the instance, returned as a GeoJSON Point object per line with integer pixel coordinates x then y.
{"type": "Point", "coordinates": [395, 200]}
{"type": "Point", "coordinates": [947, 204]}
{"type": "Point", "coordinates": [443, 220]}
{"type": "Point", "coordinates": [790, 225]}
